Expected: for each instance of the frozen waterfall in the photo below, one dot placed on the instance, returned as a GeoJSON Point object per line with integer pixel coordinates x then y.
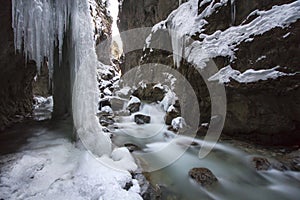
{"type": "Point", "coordinates": [39, 29]}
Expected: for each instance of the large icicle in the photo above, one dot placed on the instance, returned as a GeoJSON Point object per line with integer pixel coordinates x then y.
{"type": "Point", "coordinates": [85, 90]}
{"type": "Point", "coordinates": [39, 27]}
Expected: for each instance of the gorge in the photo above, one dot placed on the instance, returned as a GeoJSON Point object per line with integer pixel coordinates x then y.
{"type": "Point", "coordinates": [203, 88]}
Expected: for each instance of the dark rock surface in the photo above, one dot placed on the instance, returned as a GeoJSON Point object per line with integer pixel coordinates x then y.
{"type": "Point", "coordinates": [203, 176]}
{"type": "Point", "coordinates": [137, 14]}
{"type": "Point", "coordinates": [15, 78]}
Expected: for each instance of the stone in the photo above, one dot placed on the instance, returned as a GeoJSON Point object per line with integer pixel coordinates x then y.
{"type": "Point", "coordinates": [134, 104]}
{"type": "Point", "coordinates": [261, 164]}
{"type": "Point", "coordinates": [117, 104]}
{"type": "Point", "coordinates": [106, 120]}
{"type": "Point", "coordinates": [142, 119]}
{"type": "Point", "coordinates": [203, 176]}
{"type": "Point", "coordinates": [150, 92]}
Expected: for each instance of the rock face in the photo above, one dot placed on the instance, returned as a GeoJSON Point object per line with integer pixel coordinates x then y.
{"type": "Point", "coordinates": [203, 176]}
{"type": "Point", "coordinates": [266, 111]}
{"type": "Point", "coordinates": [15, 77]}
{"type": "Point", "coordinates": [137, 14]}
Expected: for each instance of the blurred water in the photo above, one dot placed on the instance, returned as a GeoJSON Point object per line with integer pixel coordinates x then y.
{"type": "Point", "coordinates": [237, 179]}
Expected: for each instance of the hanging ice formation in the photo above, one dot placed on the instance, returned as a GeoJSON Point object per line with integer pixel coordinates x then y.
{"type": "Point", "coordinates": [39, 28]}
{"type": "Point", "coordinates": [233, 11]}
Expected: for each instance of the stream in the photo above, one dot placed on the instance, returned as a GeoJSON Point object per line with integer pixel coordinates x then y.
{"type": "Point", "coordinates": [237, 179]}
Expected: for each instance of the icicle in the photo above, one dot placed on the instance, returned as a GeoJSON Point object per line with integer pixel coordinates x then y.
{"type": "Point", "coordinates": [233, 11]}
{"type": "Point", "coordinates": [178, 45]}
{"type": "Point", "coordinates": [37, 24]}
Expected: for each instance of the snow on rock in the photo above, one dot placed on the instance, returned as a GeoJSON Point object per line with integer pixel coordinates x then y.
{"type": "Point", "coordinates": [46, 102]}
{"type": "Point", "coordinates": [133, 100]}
{"type": "Point", "coordinates": [107, 92]}
{"type": "Point", "coordinates": [178, 123]}
{"type": "Point", "coordinates": [171, 108]}
{"type": "Point", "coordinates": [250, 75]}
{"type": "Point", "coordinates": [51, 167]}
{"type": "Point", "coordinates": [169, 99]}
{"type": "Point", "coordinates": [107, 109]}
{"type": "Point", "coordinates": [220, 43]}
{"type": "Point", "coordinates": [223, 43]}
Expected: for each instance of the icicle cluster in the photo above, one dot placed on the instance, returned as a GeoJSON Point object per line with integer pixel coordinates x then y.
{"type": "Point", "coordinates": [39, 27]}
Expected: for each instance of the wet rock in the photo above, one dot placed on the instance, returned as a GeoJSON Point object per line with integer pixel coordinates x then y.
{"type": "Point", "coordinates": [203, 176]}
{"type": "Point", "coordinates": [150, 92]}
{"type": "Point", "coordinates": [261, 163]}
{"type": "Point", "coordinates": [142, 119]}
{"type": "Point", "coordinates": [134, 104]}
{"type": "Point", "coordinates": [132, 147]}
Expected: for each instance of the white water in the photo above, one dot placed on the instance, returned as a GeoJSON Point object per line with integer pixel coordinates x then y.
{"type": "Point", "coordinates": [237, 179]}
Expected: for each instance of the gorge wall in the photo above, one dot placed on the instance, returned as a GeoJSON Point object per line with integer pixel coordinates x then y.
{"type": "Point", "coordinates": [263, 111]}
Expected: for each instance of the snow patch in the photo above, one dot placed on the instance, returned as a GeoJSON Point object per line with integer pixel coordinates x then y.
{"type": "Point", "coordinates": [249, 76]}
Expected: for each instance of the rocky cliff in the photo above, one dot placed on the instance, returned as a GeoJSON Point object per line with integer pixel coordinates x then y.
{"type": "Point", "coordinates": [255, 45]}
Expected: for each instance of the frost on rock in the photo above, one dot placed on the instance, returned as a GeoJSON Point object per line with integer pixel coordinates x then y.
{"type": "Point", "coordinates": [250, 75]}
{"type": "Point", "coordinates": [133, 100]}
{"type": "Point", "coordinates": [223, 43]}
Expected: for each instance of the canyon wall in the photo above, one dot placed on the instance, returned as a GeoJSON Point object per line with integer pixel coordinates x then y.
{"type": "Point", "coordinates": [264, 111]}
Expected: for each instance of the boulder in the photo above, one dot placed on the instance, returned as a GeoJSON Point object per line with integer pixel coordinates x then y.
{"type": "Point", "coordinates": [203, 176]}
{"type": "Point", "coordinates": [142, 119]}
{"type": "Point", "coordinates": [150, 92]}
{"type": "Point", "coordinates": [117, 104]}
{"type": "Point", "coordinates": [134, 104]}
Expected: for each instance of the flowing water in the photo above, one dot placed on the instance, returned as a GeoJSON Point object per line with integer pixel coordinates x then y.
{"type": "Point", "coordinates": [237, 179]}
